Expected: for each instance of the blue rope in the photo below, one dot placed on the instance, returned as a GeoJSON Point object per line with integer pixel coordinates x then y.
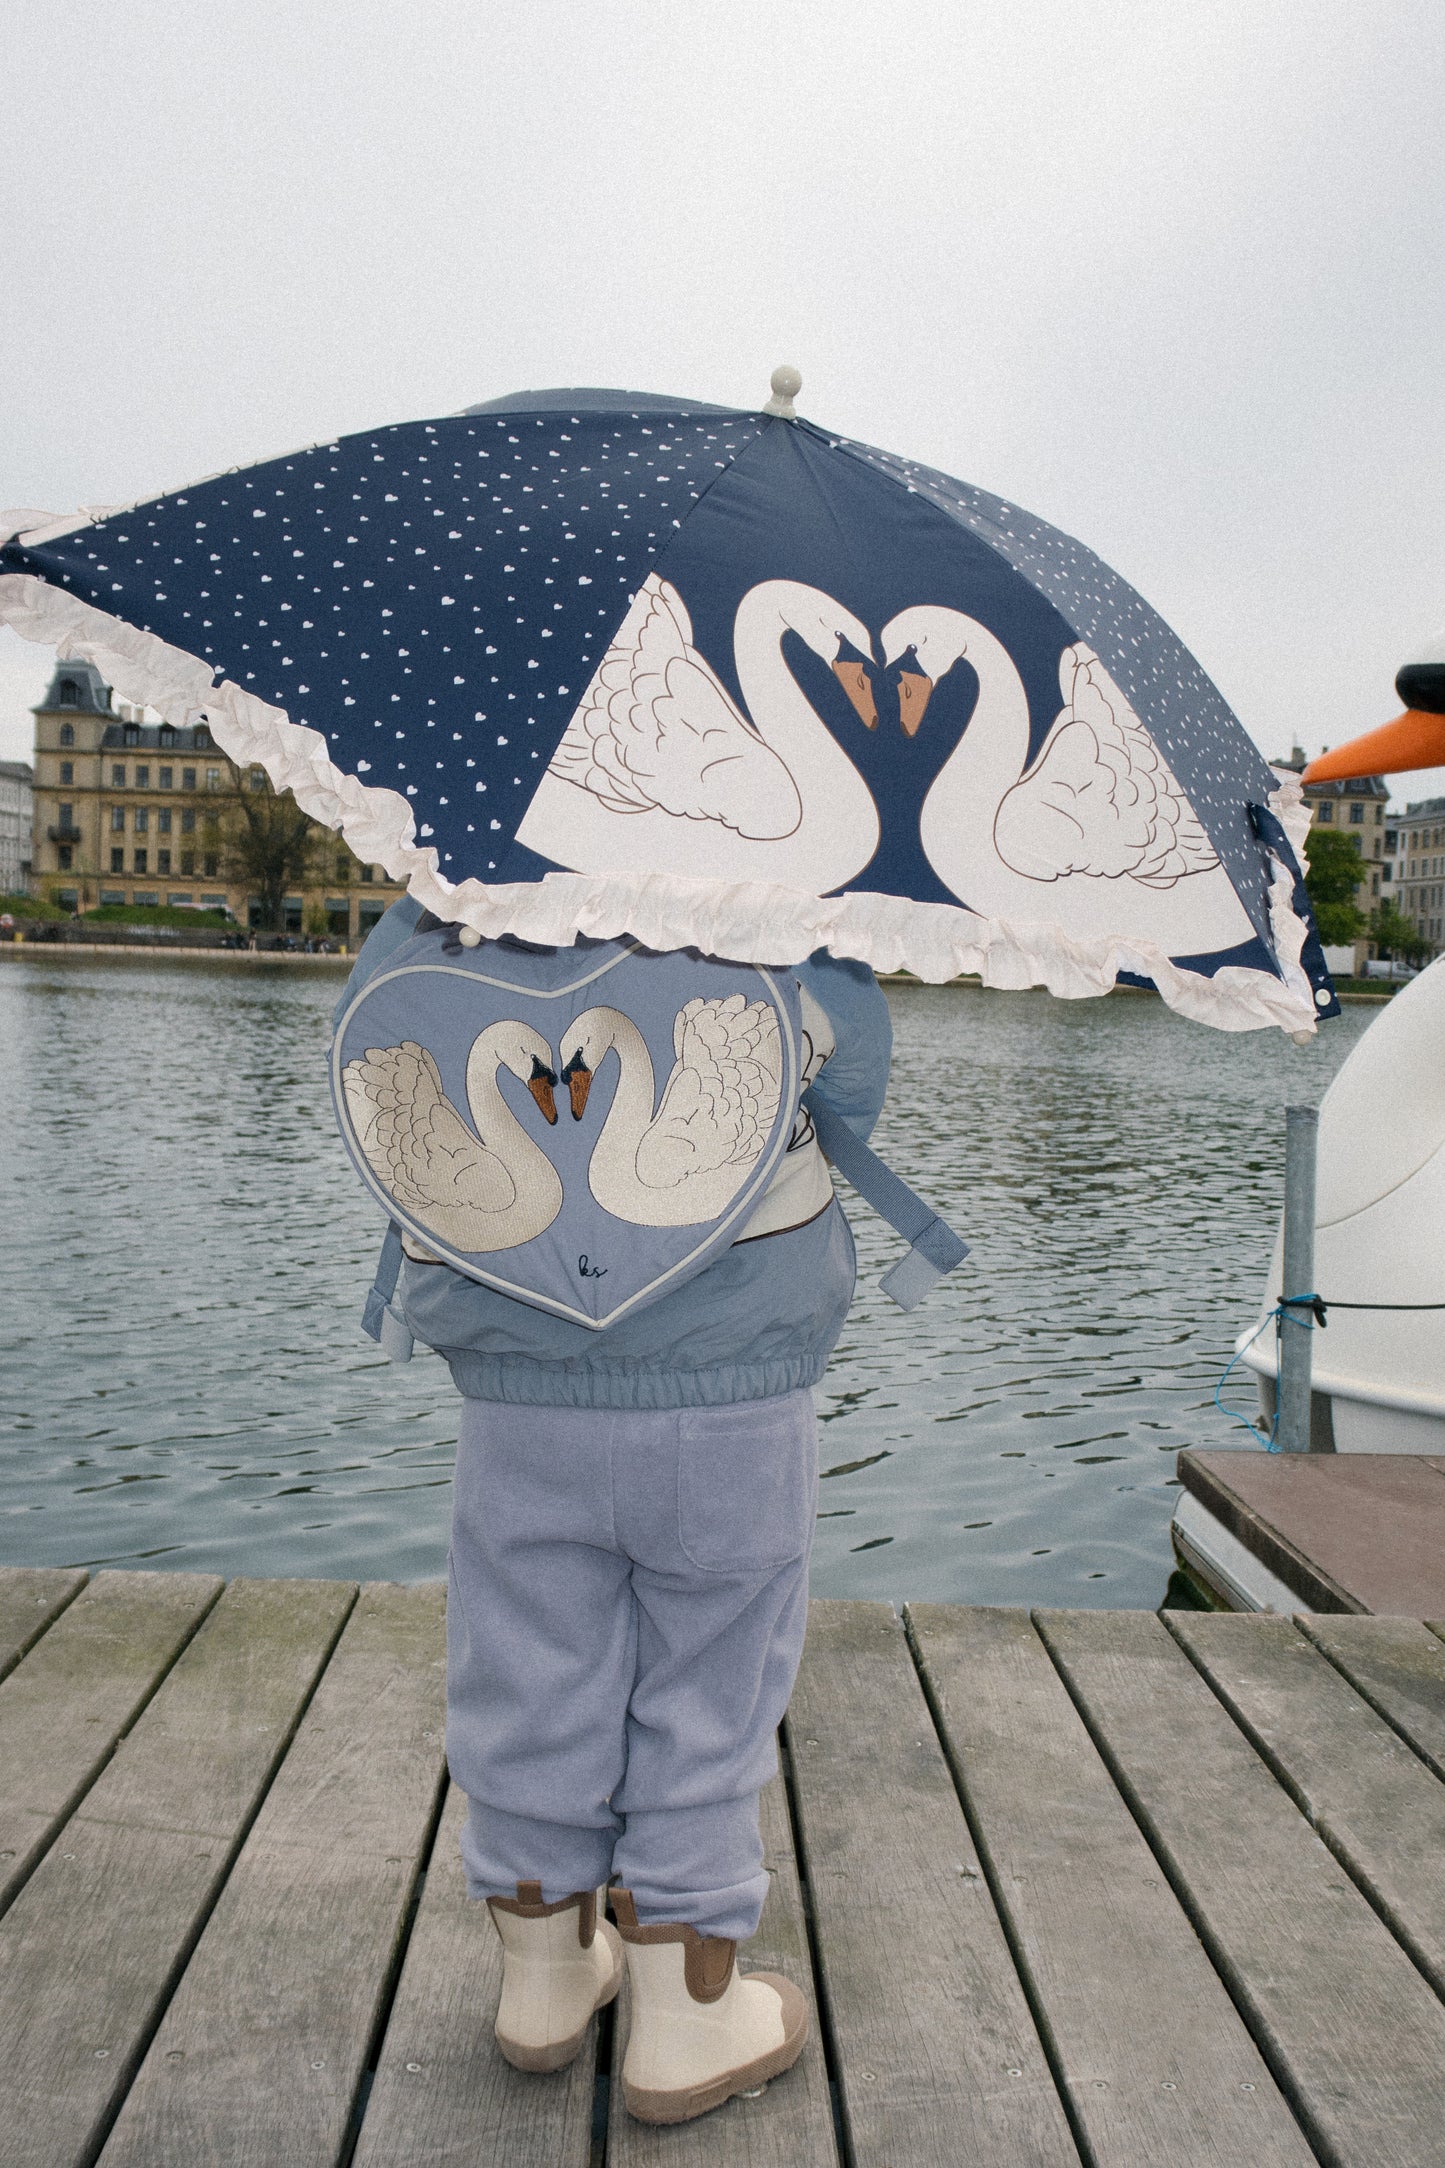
{"type": "Point", "coordinates": [1276, 1317]}
{"type": "Point", "coordinates": [1233, 1415]}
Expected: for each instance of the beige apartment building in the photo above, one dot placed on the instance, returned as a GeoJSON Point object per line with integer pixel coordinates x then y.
{"type": "Point", "coordinates": [1420, 866]}
{"type": "Point", "coordinates": [1357, 809]}
{"type": "Point", "coordinates": [127, 811]}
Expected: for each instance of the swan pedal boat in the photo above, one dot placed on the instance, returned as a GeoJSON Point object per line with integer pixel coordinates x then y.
{"type": "Point", "coordinates": [1378, 1375]}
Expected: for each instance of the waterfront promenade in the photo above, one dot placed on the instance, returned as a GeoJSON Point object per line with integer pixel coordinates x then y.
{"type": "Point", "coordinates": [1072, 1887]}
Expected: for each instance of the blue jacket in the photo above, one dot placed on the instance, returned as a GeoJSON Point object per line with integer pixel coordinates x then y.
{"type": "Point", "coordinates": [762, 1319]}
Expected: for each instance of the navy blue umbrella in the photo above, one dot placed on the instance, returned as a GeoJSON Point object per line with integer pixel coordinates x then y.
{"type": "Point", "coordinates": [597, 661]}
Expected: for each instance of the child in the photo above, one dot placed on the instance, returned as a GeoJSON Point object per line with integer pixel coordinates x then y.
{"type": "Point", "coordinates": [633, 1513]}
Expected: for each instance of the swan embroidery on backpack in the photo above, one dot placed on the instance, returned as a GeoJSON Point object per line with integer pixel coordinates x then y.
{"type": "Point", "coordinates": [483, 1190]}
{"type": "Point", "coordinates": [684, 1162]}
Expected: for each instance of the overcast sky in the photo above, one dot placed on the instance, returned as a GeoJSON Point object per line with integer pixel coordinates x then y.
{"type": "Point", "coordinates": [1170, 276]}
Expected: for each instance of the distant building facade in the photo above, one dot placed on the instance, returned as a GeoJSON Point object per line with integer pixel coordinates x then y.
{"type": "Point", "coordinates": [17, 820]}
{"type": "Point", "coordinates": [1420, 867]}
{"type": "Point", "coordinates": [130, 812]}
{"type": "Point", "coordinates": [1357, 809]}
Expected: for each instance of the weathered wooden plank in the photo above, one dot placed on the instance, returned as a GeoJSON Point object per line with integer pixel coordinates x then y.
{"type": "Point", "coordinates": [443, 2097]}
{"type": "Point", "coordinates": [260, 2054]}
{"type": "Point", "coordinates": [1399, 1666]}
{"type": "Point", "coordinates": [937, 2055]}
{"type": "Point", "coordinates": [32, 1598]}
{"type": "Point", "coordinates": [92, 1944]}
{"type": "Point", "coordinates": [1378, 1808]}
{"type": "Point", "coordinates": [1157, 2060]}
{"type": "Point", "coordinates": [1353, 2033]}
{"type": "Point", "coordinates": [790, 2124]}
{"type": "Point", "coordinates": [65, 1704]}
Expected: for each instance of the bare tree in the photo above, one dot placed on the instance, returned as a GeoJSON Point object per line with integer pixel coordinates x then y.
{"type": "Point", "coordinates": [267, 844]}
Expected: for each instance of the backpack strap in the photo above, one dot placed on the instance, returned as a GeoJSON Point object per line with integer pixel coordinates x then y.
{"type": "Point", "coordinates": [379, 1321]}
{"type": "Point", "coordinates": [933, 1249]}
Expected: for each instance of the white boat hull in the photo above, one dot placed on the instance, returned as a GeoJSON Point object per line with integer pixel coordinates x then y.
{"type": "Point", "coordinates": [1379, 1238]}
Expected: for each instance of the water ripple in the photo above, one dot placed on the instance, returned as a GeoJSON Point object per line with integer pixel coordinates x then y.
{"type": "Point", "coordinates": [188, 1251]}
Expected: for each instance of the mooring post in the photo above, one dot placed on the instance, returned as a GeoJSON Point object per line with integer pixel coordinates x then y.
{"type": "Point", "coordinates": [1296, 1331]}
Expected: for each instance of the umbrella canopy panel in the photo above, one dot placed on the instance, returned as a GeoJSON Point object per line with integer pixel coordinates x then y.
{"type": "Point", "coordinates": [687, 653]}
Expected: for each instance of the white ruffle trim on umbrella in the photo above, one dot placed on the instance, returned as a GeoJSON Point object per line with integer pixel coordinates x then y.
{"type": "Point", "coordinates": [752, 921]}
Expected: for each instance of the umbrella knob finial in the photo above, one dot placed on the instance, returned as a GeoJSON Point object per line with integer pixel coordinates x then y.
{"type": "Point", "coordinates": [786, 383]}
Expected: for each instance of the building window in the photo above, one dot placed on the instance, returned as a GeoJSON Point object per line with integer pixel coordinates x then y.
{"type": "Point", "coordinates": [1379, 815]}
{"type": "Point", "coordinates": [1327, 812]}
{"type": "Point", "coordinates": [142, 819]}
{"type": "Point", "coordinates": [202, 738]}
{"type": "Point", "coordinates": [67, 771]}
{"type": "Point", "coordinates": [69, 693]}
{"type": "Point", "coordinates": [188, 863]}
{"type": "Point", "coordinates": [142, 863]}
{"type": "Point", "coordinates": [130, 732]}
{"type": "Point", "coordinates": [67, 815]}
{"type": "Point", "coordinates": [163, 820]}
{"type": "Point", "coordinates": [137, 897]}
{"type": "Point", "coordinates": [163, 861]}
{"type": "Point", "coordinates": [143, 776]}
{"type": "Point", "coordinates": [1357, 815]}
{"type": "Point", "coordinates": [188, 779]}
{"type": "Point", "coordinates": [62, 857]}
{"type": "Point", "coordinates": [167, 734]}
{"type": "Point", "coordinates": [213, 903]}
{"type": "Point", "coordinates": [366, 873]}
{"type": "Point", "coordinates": [213, 778]}
{"type": "Point", "coordinates": [210, 865]}
{"type": "Point", "coordinates": [117, 861]}
{"type": "Point", "coordinates": [343, 868]}
{"type": "Point", "coordinates": [112, 895]}
{"type": "Point", "coordinates": [188, 820]}
{"type": "Point", "coordinates": [67, 733]}
{"type": "Point", "coordinates": [178, 901]}
{"type": "Point", "coordinates": [117, 776]}
{"type": "Point", "coordinates": [163, 778]}
{"type": "Point", "coordinates": [258, 779]}
{"type": "Point", "coordinates": [117, 819]}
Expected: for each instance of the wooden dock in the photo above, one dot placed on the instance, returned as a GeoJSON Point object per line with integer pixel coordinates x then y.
{"type": "Point", "coordinates": [1361, 1532]}
{"type": "Point", "coordinates": [1071, 1887]}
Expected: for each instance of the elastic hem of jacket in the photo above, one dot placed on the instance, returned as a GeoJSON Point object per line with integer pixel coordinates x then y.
{"type": "Point", "coordinates": [526, 1383]}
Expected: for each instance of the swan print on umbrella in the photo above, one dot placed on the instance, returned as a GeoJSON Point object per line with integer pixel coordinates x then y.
{"type": "Point", "coordinates": [659, 765]}
{"type": "Point", "coordinates": [1099, 807]}
{"type": "Point", "coordinates": [480, 1191]}
{"type": "Point", "coordinates": [685, 1162]}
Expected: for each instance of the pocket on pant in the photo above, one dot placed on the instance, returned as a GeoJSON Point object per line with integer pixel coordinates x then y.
{"type": "Point", "coordinates": [746, 1484]}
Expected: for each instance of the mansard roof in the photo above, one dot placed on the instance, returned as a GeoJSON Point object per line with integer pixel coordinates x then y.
{"type": "Point", "coordinates": [157, 737]}
{"type": "Point", "coordinates": [78, 689]}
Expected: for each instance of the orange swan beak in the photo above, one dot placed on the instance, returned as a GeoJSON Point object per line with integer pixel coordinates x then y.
{"type": "Point", "coordinates": [1414, 740]}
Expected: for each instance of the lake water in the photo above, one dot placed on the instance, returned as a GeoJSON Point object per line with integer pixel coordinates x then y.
{"type": "Point", "coordinates": [184, 1382]}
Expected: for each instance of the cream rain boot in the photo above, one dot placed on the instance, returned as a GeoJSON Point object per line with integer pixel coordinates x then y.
{"type": "Point", "coordinates": [701, 2030]}
{"type": "Point", "coordinates": [559, 1964]}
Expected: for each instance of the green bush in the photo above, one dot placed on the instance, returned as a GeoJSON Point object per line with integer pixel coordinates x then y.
{"type": "Point", "coordinates": [153, 914]}
{"type": "Point", "coordinates": [30, 907]}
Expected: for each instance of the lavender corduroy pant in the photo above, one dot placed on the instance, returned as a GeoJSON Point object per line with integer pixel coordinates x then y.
{"type": "Point", "coordinates": [625, 1618]}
